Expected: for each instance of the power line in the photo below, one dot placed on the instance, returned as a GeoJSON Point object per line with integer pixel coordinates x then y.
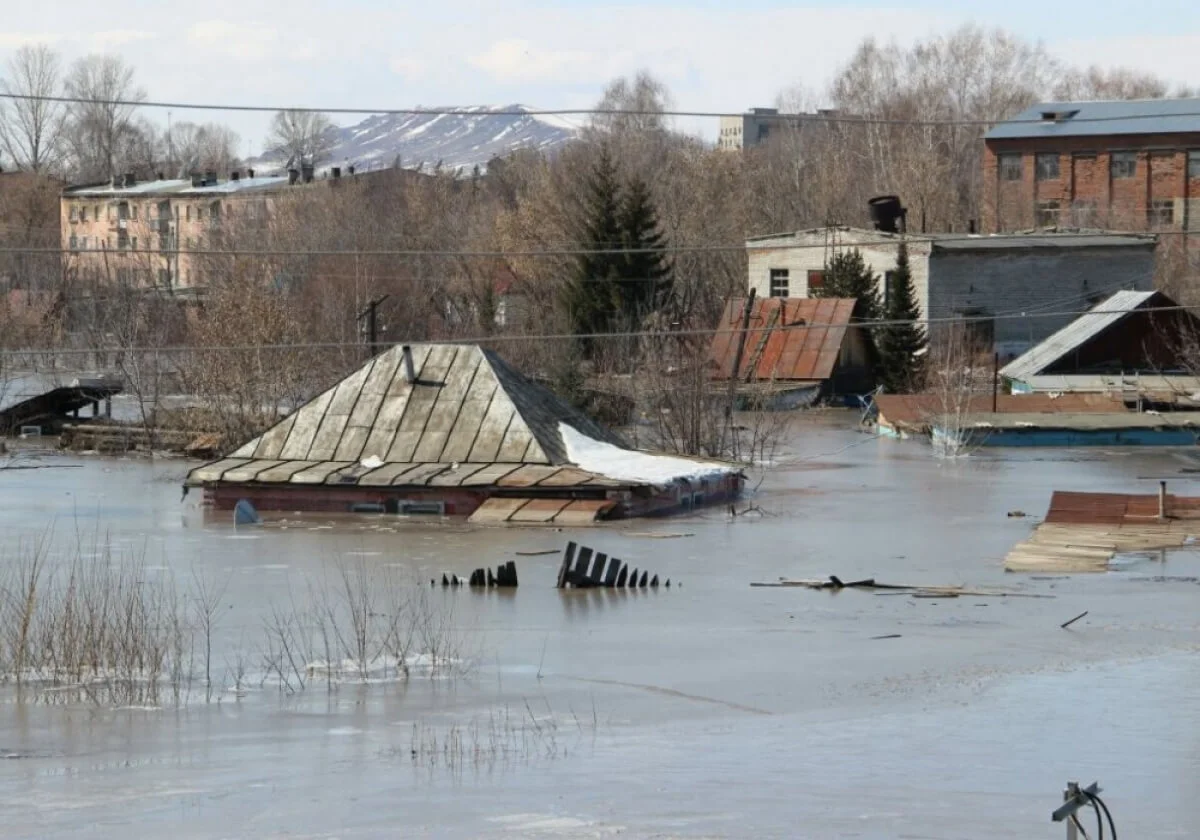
{"type": "Point", "coordinates": [576, 112]}
{"type": "Point", "coordinates": [913, 239]}
{"type": "Point", "coordinates": [488, 339]}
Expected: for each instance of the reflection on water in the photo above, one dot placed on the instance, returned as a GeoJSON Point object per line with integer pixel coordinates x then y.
{"type": "Point", "coordinates": [708, 709]}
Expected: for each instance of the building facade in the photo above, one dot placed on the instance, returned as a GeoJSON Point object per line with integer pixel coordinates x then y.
{"type": "Point", "coordinates": [758, 125]}
{"type": "Point", "coordinates": [1132, 165]}
{"type": "Point", "coordinates": [1013, 290]}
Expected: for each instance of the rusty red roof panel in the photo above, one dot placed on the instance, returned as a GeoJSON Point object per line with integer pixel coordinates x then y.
{"type": "Point", "coordinates": [788, 338]}
{"type": "Point", "coordinates": [1070, 508]}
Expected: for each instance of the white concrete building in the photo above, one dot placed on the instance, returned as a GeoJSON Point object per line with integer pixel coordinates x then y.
{"type": "Point", "coordinates": [1025, 278]}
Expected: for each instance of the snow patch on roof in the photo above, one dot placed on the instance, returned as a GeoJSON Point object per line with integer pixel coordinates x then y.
{"type": "Point", "coordinates": [629, 465]}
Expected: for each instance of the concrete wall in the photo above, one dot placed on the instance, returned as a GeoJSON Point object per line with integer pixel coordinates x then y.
{"type": "Point", "coordinates": [1033, 280]}
{"type": "Point", "coordinates": [810, 251]}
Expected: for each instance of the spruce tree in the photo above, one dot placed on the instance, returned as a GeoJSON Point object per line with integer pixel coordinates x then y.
{"type": "Point", "coordinates": [645, 273]}
{"type": "Point", "coordinates": [593, 296]}
{"type": "Point", "coordinates": [903, 337]}
{"type": "Point", "coordinates": [848, 276]}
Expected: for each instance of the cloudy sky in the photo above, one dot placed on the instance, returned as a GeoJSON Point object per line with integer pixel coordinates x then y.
{"type": "Point", "coordinates": [713, 55]}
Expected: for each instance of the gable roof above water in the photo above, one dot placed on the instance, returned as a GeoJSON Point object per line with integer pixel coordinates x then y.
{"type": "Point", "coordinates": [792, 339]}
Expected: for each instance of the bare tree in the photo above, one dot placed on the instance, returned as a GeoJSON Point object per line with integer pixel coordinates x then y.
{"type": "Point", "coordinates": [643, 95]}
{"type": "Point", "coordinates": [301, 137]}
{"type": "Point", "coordinates": [30, 128]}
{"type": "Point", "coordinates": [1113, 83]}
{"type": "Point", "coordinates": [204, 146]}
{"type": "Point", "coordinates": [102, 118]}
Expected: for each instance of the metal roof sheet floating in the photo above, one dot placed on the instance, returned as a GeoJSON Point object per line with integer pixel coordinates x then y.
{"type": "Point", "coordinates": [791, 339]}
{"type": "Point", "coordinates": [1096, 119]}
{"type": "Point", "coordinates": [1102, 316]}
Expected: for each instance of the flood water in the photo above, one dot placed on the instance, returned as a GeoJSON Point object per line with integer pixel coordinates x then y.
{"type": "Point", "coordinates": [712, 709]}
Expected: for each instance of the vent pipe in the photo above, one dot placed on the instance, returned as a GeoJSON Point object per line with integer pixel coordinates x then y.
{"type": "Point", "coordinates": [410, 372]}
{"type": "Point", "coordinates": [887, 213]}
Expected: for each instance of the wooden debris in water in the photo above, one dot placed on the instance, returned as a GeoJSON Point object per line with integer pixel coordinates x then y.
{"type": "Point", "coordinates": [583, 568]}
{"type": "Point", "coordinates": [536, 553]}
{"type": "Point", "coordinates": [833, 583]}
{"type": "Point", "coordinates": [1090, 548]}
{"type": "Point", "coordinates": [504, 578]}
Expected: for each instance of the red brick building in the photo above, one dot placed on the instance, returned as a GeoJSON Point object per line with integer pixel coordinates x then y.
{"type": "Point", "coordinates": [1129, 165]}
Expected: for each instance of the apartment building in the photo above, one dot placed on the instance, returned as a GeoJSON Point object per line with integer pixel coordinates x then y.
{"type": "Point", "coordinates": [1130, 165]}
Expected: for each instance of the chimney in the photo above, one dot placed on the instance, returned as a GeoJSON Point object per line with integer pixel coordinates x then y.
{"type": "Point", "coordinates": [249, 173]}
{"type": "Point", "coordinates": [293, 176]}
{"type": "Point", "coordinates": [306, 171]}
{"type": "Point", "coordinates": [197, 179]}
{"type": "Point", "coordinates": [350, 169]}
{"type": "Point", "coordinates": [235, 175]}
{"type": "Point", "coordinates": [210, 177]}
{"type": "Point", "coordinates": [887, 214]}
{"type": "Point", "coordinates": [335, 172]}
{"type": "Point", "coordinates": [116, 182]}
{"type": "Point", "coordinates": [130, 179]}
{"type": "Point", "coordinates": [409, 373]}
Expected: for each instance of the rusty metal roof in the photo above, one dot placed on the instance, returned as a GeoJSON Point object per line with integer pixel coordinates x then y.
{"type": "Point", "coordinates": [788, 338]}
{"type": "Point", "coordinates": [1067, 508]}
{"type": "Point", "coordinates": [914, 412]}
{"type": "Point", "coordinates": [466, 408]}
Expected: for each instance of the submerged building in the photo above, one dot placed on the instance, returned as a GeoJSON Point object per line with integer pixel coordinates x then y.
{"type": "Point", "coordinates": [452, 430]}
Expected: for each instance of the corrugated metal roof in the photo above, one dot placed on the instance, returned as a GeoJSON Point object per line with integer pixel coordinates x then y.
{"type": "Point", "coordinates": [1006, 242]}
{"type": "Point", "coordinates": [1068, 508]}
{"type": "Point", "coordinates": [176, 186]}
{"type": "Point", "coordinates": [1082, 422]}
{"type": "Point", "coordinates": [1097, 119]}
{"type": "Point", "coordinates": [779, 345]}
{"type": "Point", "coordinates": [468, 408]}
{"type": "Point", "coordinates": [1099, 383]}
{"type": "Point", "coordinates": [1084, 328]}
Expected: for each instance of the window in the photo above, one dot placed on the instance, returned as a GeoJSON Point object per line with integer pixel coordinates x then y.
{"type": "Point", "coordinates": [191, 243]}
{"type": "Point", "coordinates": [1084, 213]}
{"type": "Point", "coordinates": [189, 212]}
{"type": "Point", "coordinates": [1194, 164]}
{"type": "Point", "coordinates": [1161, 213]}
{"type": "Point", "coordinates": [133, 243]}
{"type": "Point", "coordinates": [199, 214]}
{"type": "Point", "coordinates": [164, 277]}
{"type": "Point", "coordinates": [74, 244]}
{"type": "Point", "coordinates": [889, 281]}
{"type": "Point", "coordinates": [122, 210]}
{"type": "Point", "coordinates": [73, 214]}
{"type": "Point", "coordinates": [1045, 214]}
{"type": "Point", "coordinates": [1123, 164]}
{"type": "Point", "coordinates": [1010, 166]}
{"type": "Point", "coordinates": [1047, 167]}
{"type": "Point", "coordinates": [83, 243]}
{"type": "Point", "coordinates": [133, 211]}
{"type": "Point", "coordinates": [980, 329]}
{"type": "Point", "coordinates": [816, 280]}
{"type": "Point", "coordinates": [779, 282]}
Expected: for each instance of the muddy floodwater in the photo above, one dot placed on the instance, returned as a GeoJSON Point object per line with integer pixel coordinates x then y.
{"type": "Point", "coordinates": [712, 709]}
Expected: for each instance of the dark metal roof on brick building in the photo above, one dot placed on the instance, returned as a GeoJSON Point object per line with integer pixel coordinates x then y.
{"type": "Point", "coordinates": [1099, 119]}
{"type": "Point", "coordinates": [789, 339]}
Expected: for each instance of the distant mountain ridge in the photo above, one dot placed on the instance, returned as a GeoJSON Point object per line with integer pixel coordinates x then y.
{"type": "Point", "coordinates": [470, 136]}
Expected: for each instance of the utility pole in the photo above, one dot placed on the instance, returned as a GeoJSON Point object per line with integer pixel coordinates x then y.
{"type": "Point", "coordinates": [371, 314]}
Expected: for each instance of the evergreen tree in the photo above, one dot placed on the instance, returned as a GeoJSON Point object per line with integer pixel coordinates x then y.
{"type": "Point", "coordinates": [900, 341]}
{"type": "Point", "coordinates": [849, 276]}
{"type": "Point", "coordinates": [646, 273]}
{"type": "Point", "coordinates": [593, 295]}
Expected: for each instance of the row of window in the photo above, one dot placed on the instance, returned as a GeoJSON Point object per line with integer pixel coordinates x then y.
{"type": "Point", "coordinates": [125, 210]}
{"type": "Point", "coordinates": [1046, 165]}
{"type": "Point", "coordinates": [780, 285]}
{"type": "Point", "coordinates": [1159, 213]}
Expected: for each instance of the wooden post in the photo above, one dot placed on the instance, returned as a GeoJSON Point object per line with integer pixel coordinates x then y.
{"type": "Point", "coordinates": [1162, 500]}
{"type": "Point", "coordinates": [1069, 793]}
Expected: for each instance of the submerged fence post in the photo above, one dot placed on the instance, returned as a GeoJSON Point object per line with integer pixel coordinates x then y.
{"type": "Point", "coordinates": [1069, 793]}
{"type": "Point", "coordinates": [1162, 500]}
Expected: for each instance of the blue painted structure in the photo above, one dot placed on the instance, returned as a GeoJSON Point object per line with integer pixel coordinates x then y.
{"type": "Point", "coordinates": [1167, 436]}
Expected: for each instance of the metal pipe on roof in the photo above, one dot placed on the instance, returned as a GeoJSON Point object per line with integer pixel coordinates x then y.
{"type": "Point", "coordinates": [410, 372]}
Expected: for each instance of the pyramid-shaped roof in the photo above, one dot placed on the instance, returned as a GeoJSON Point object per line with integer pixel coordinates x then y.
{"type": "Point", "coordinates": [466, 406]}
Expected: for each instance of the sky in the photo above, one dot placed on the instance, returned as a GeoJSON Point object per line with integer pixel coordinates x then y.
{"type": "Point", "coordinates": [723, 56]}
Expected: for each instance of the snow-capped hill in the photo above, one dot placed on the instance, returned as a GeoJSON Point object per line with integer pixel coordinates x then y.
{"type": "Point", "coordinates": [469, 136]}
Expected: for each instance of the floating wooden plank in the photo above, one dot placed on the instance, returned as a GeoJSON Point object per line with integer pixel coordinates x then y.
{"type": "Point", "coordinates": [496, 511]}
{"type": "Point", "coordinates": [835, 584]}
{"type": "Point", "coordinates": [539, 510]}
